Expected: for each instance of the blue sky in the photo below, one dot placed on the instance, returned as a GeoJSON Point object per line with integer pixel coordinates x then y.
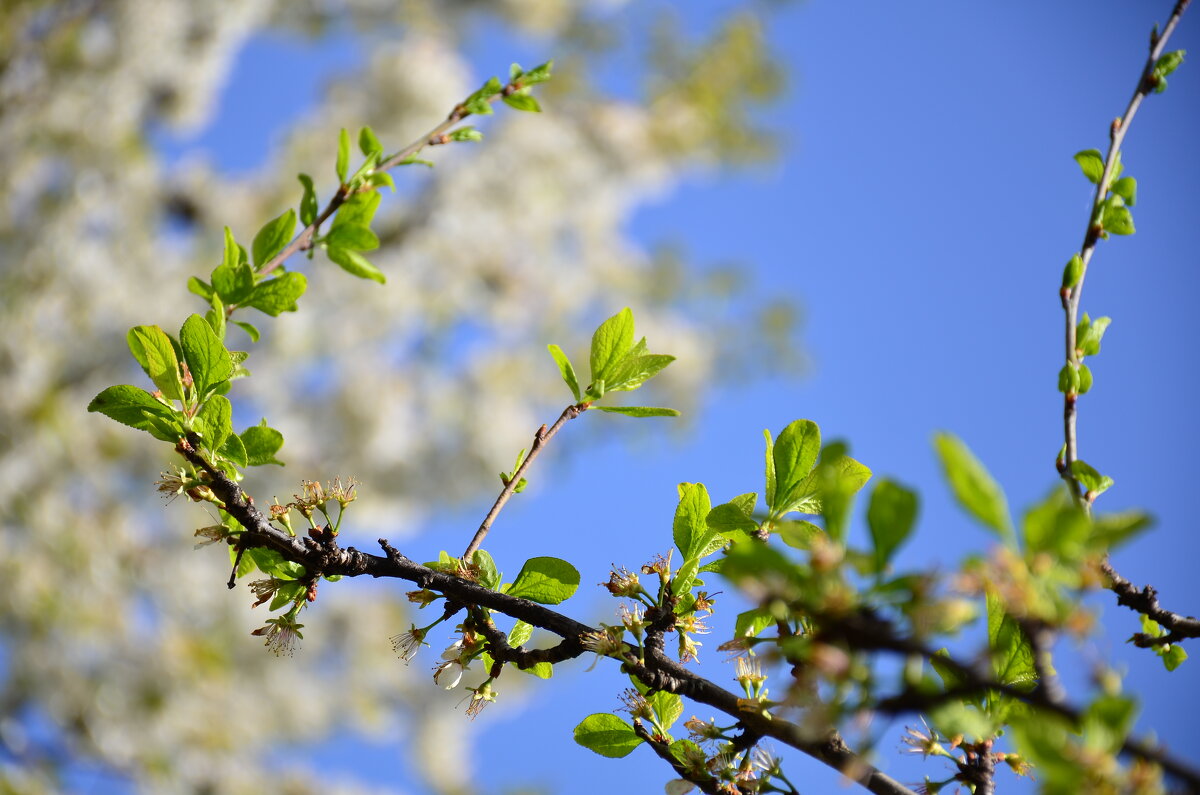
{"type": "Point", "coordinates": [922, 208]}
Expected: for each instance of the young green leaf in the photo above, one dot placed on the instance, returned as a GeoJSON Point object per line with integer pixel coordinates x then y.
{"type": "Point", "coordinates": [610, 343]}
{"type": "Point", "coordinates": [798, 533]}
{"type": "Point", "coordinates": [249, 328]}
{"type": "Point", "coordinates": [770, 468]}
{"type": "Point", "coordinates": [352, 236]}
{"type": "Point", "coordinates": [607, 735]}
{"type": "Point", "coordinates": [137, 408]}
{"type": "Point", "coordinates": [1089, 333]}
{"type": "Point", "coordinates": [689, 527]}
{"type": "Point", "coordinates": [794, 455]}
{"type": "Point", "coordinates": [1126, 188]}
{"type": "Point", "coordinates": [568, 372]}
{"type": "Point", "coordinates": [1085, 379]}
{"type": "Point", "coordinates": [1073, 271]}
{"type": "Point", "coordinates": [343, 155]}
{"type": "Point", "coordinates": [359, 210]}
{"type": "Point", "coordinates": [639, 411]}
{"type": "Point", "coordinates": [205, 355]}
{"type": "Point", "coordinates": [1095, 483]}
{"type": "Point", "coordinates": [279, 294]}
{"type": "Point", "coordinates": [368, 143]}
{"type": "Point", "coordinates": [478, 103]}
{"type": "Point", "coordinates": [235, 450]}
{"type": "Point", "coordinates": [273, 237]}
{"type": "Point", "coordinates": [524, 102]}
{"type": "Point", "coordinates": [466, 134]}
{"type": "Point", "coordinates": [752, 622]}
{"type": "Point", "coordinates": [890, 516]}
{"type": "Point", "coordinates": [1117, 219]}
{"type": "Point", "coordinates": [546, 581]}
{"type": "Point", "coordinates": [355, 264]}
{"type": "Point", "coordinates": [973, 486]}
{"type": "Point", "coordinates": [633, 371]}
{"type": "Point", "coordinates": [667, 708]}
{"type": "Point", "coordinates": [216, 417]}
{"type": "Point", "coordinates": [1092, 163]}
{"type": "Point", "coordinates": [730, 517]}
{"type": "Point", "coordinates": [153, 350]}
{"type": "Point", "coordinates": [1012, 654]}
{"type": "Point", "coordinates": [489, 575]}
{"type": "Point", "coordinates": [200, 288]}
{"type": "Point", "coordinates": [1173, 656]}
{"type": "Point", "coordinates": [261, 444]}
{"type": "Point", "coordinates": [538, 74]}
{"type": "Point", "coordinates": [308, 202]}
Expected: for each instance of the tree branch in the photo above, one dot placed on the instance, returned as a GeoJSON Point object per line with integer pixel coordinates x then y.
{"type": "Point", "coordinates": [434, 137]}
{"type": "Point", "coordinates": [1145, 602]}
{"type": "Point", "coordinates": [540, 439]}
{"type": "Point", "coordinates": [1071, 295]}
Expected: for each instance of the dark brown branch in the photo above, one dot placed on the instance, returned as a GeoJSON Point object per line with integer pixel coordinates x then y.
{"type": "Point", "coordinates": [1145, 601]}
{"type": "Point", "coordinates": [706, 783]}
{"type": "Point", "coordinates": [540, 439]}
{"type": "Point", "coordinates": [658, 671]}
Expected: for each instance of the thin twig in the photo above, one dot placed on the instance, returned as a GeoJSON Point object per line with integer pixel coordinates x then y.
{"type": "Point", "coordinates": [1071, 295]}
{"type": "Point", "coordinates": [540, 439]}
{"type": "Point", "coordinates": [434, 137]}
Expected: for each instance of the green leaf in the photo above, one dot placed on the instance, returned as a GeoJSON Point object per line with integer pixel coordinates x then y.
{"type": "Point", "coordinates": [1117, 219]}
{"type": "Point", "coordinates": [547, 581]}
{"type": "Point", "coordinates": [279, 294]}
{"type": "Point", "coordinates": [216, 415]}
{"type": "Point", "coordinates": [521, 101]}
{"type": "Point", "coordinates": [1126, 188]}
{"type": "Point", "coordinates": [1085, 379]}
{"type": "Point", "coordinates": [750, 623]}
{"type": "Point", "coordinates": [466, 134]}
{"type": "Point", "coordinates": [770, 468]}
{"type": "Point", "coordinates": [205, 355]}
{"type": "Point", "coordinates": [520, 634]}
{"type": "Point", "coordinates": [798, 533]}
{"type": "Point", "coordinates": [973, 486]}
{"type": "Point", "coordinates": [355, 264]}
{"type": "Point", "coordinates": [200, 288]}
{"type": "Point", "coordinates": [489, 575]}
{"type": "Point", "coordinates": [1174, 656]}
{"type": "Point", "coordinates": [368, 143]}
{"type": "Point", "coordinates": [633, 371]}
{"type": "Point", "coordinates": [343, 155]}
{"type": "Point", "coordinates": [235, 450]}
{"type": "Point", "coordinates": [152, 349]}
{"type": "Point", "coordinates": [262, 443]}
{"type": "Point", "coordinates": [249, 328]}
{"type": "Point", "coordinates": [689, 527]}
{"type": "Point", "coordinates": [1012, 655]}
{"type": "Point", "coordinates": [1068, 379]}
{"type": "Point", "coordinates": [667, 707]}
{"type": "Point", "coordinates": [1095, 483]}
{"type": "Point", "coordinates": [610, 343]}
{"type": "Point", "coordinates": [1089, 333]}
{"type": "Point", "coordinates": [215, 317]}
{"type": "Point", "coordinates": [1092, 163]}
{"type": "Point", "coordinates": [137, 408]}
{"type": "Point", "coordinates": [359, 210]}
{"type": "Point", "coordinates": [1073, 271]}
{"type": "Point", "coordinates": [478, 103]}
{"type": "Point", "coordinates": [795, 454]}
{"type": "Point", "coordinates": [273, 237]}
{"type": "Point", "coordinates": [1168, 63]}
{"type": "Point", "coordinates": [685, 577]}
{"type": "Point", "coordinates": [308, 202]}
{"type": "Point", "coordinates": [353, 237]}
{"type": "Point", "coordinates": [890, 516]}
{"type": "Point", "coordinates": [1107, 722]}
{"type": "Point", "coordinates": [234, 284]}
{"type": "Point", "coordinates": [607, 735]}
{"type": "Point", "coordinates": [568, 372]}
{"type": "Point", "coordinates": [951, 676]}
{"type": "Point", "coordinates": [639, 411]}
{"type": "Point", "coordinates": [538, 74]}
{"type": "Point", "coordinates": [730, 517]}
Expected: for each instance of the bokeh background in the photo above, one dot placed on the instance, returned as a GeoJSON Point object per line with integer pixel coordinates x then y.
{"type": "Point", "coordinates": [856, 214]}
